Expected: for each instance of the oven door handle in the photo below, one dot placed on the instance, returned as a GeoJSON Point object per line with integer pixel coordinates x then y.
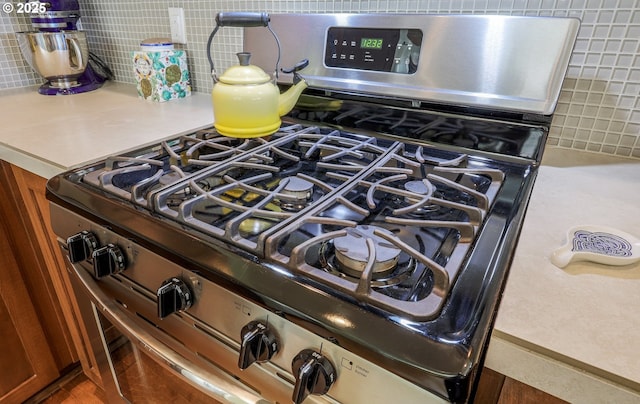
{"type": "Point", "coordinates": [206, 381]}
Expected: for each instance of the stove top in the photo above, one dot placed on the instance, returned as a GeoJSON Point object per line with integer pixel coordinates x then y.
{"type": "Point", "coordinates": [379, 222]}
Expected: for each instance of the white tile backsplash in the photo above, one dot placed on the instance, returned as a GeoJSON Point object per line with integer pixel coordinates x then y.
{"type": "Point", "coordinates": [599, 107]}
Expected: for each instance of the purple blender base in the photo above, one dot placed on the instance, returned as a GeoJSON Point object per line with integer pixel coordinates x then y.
{"type": "Point", "coordinates": [47, 89]}
{"type": "Point", "coordinates": [88, 81]}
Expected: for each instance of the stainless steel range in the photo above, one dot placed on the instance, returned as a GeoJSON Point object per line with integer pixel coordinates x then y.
{"type": "Point", "coordinates": [358, 254]}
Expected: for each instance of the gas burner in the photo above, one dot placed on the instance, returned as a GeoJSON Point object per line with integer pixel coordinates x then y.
{"type": "Point", "coordinates": [185, 193]}
{"type": "Point", "coordinates": [328, 262]}
{"type": "Point", "coordinates": [170, 178]}
{"type": "Point", "coordinates": [353, 251]}
{"type": "Point", "coordinates": [296, 194]}
{"type": "Point", "coordinates": [423, 189]}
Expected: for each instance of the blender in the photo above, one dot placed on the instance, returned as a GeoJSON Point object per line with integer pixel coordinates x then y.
{"type": "Point", "coordinates": [57, 49]}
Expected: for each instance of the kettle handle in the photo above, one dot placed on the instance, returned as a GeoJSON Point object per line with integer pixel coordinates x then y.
{"type": "Point", "coordinates": [240, 19]}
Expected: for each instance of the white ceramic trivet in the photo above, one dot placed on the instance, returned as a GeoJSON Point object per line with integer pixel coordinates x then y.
{"type": "Point", "coordinates": [600, 244]}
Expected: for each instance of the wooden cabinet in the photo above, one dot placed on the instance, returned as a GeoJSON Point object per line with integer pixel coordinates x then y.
{"type": "Point", "coordinates": [26, 364]}
{"type": "Point", "coordinates": [38, 312]}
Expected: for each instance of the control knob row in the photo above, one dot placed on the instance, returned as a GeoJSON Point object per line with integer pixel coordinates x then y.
{"type": "Point", "coordinates": [107, 260]}
{"type": "Point", "coordinates": [314, 373]}
{"type": "Point", "coordinates": [173, 295]}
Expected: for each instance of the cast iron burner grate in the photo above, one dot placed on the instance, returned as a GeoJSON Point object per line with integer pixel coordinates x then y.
{"type": "Point", "coordinates": [291, 199]}
{"type": "Point", "coordinates": [432, 227]}
{"type": "Point", "coordinates": [134, 177]}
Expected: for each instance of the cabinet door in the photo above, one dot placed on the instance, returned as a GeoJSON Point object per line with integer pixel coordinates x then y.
{"type": "Point", "coordinates": [41, 257]}
{"type": "Point", "coordinates": [26, 363]}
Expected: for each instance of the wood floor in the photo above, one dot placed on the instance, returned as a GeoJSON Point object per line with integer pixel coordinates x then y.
{"type": "Point", "coordinates": [72, 388]}
{"type": "Point", "coordinates": [494, 389]}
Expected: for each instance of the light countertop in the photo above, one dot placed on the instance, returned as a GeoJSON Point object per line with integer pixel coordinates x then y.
{"type": "Point", "coordinates": [572, 332]}
{"type": "Point", "coordinates": [51, 134]}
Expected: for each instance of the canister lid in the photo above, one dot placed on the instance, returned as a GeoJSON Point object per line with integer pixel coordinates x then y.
{"type": "Point", "coordinates": [156, 44]}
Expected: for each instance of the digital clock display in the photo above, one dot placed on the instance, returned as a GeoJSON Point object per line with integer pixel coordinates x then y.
{"type": "Point", "coordinates": [371, 43]}
{"type": "Point", "coordinates": [390, 50]}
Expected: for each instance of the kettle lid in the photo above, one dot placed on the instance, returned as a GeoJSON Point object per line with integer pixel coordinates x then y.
{"type": "Point", "coordinates": [244, 73]}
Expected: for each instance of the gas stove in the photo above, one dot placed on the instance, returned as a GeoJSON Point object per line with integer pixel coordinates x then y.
{"type": "Point", "coordinates": [366, 242]}
{"type": "Point", "coordinates": [393, 231]}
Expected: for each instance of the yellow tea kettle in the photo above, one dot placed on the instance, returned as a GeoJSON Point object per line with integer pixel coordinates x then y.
{"type": "Point", "coordinates": [246, 101]}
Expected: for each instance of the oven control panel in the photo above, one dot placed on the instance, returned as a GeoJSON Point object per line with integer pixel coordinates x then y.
{"type": "Point", "coordinates": [382, 50]}
{"type": "Point", "coordinates": [264, 351]}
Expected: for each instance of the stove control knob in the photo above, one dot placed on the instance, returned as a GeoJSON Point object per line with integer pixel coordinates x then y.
{"type": "Point", "coordinates": [81, 246]}
{"type": "Point", "coordinates": [258, 344]}
{"type": "Point", "coordinates": [314, 374]}
{"type": "Point", "coordinates": [174, 295]}
{"type": "Point", "coordinates": [108, 260]}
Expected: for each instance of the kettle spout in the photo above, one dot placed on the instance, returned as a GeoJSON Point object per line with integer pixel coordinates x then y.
{"type": "Point", "coordinates": [288, 99]}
